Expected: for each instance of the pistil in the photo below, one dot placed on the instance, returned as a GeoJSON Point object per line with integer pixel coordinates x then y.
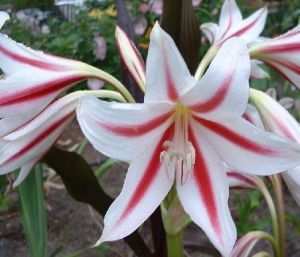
{"type": "Point", "coordinates": [179, 153]}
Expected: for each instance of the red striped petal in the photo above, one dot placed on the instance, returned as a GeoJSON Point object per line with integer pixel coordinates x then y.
{"type": "Point", "coordinates": [150, 173]}
{"type": "Point", "coordinates": [235, 138]}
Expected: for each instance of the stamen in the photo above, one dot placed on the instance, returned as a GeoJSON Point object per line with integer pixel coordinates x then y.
{"type": "Point", "coordinates": [178, 154]}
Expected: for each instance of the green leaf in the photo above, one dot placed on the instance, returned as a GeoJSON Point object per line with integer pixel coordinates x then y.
{"type": "Point", "coordinates": [33, 213]}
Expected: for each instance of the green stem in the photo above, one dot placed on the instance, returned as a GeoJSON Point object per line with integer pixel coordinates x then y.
{"type": "Point", "coordinates": [175, 244]}
{"type": "Point", "coordinates": [102, 75]}
{"type": "Point", "coordinates": [264, 190]}
{"type": "Point", "coordinates": [277, 183]}
{"type": "Point", "coordinates": [206, 60]}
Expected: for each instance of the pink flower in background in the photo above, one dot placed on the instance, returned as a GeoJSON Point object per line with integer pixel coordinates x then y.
{"type": "Point", "coordinates": [101, 48]}
{"type": "Point", "coordinates": [95, 84]}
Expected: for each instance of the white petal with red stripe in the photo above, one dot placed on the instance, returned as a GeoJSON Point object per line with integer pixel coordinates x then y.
{"type": "Point", "coordinates": [240, 180]}
{"type": "Point", "coordinates": [276, 118]}
{"type": "Point", "coordinates": [31, 81]}
{"type": "Point", "coordinates": [131, 57]}
{"type": "Point", "coordinates": [167, 76]}
{"type": "Point", "coordinates": [211, 31]}
{"type": "Point", "coordinates": [3, 18]}
{"type": "Point", "coordinates": [120, 130]}
{"type": "Point", "coordinates": [204, 196]}
{"type": "Point", "coordinates": [146, 185]}
{"type": "Point", "coordinates": [31, 141]}
{"type": "Point", "coordinates": [230, 15]}
{"type": "Point", "coordinates": [247, 29]}
{"type": "Point", "coordinates": [224, 88]}
{"type": "Point", "coordinates": [249, 149]}
{"type": "Point", "coordinates": [282, 54]}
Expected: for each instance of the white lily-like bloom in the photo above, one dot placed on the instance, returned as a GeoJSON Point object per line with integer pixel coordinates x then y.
{"type": "Point", "coordinates": [184, 131]}
{"type": "Point", "coordinates": [33, 79]}
{"type": "Point", "coordinates": [282, 53]}
{"type": "Point", "coordinates": [232, 24]}
{"type": "Point", "coordinates": [278, 120]}
{"type": "Point", "coordinates": [27, 145]}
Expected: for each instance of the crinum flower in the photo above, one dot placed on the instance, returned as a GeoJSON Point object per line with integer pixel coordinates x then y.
{"type": "Point", "coordinates": [183, 133]}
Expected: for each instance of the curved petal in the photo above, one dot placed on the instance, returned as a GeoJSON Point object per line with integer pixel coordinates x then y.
{"type": "Point", "coordinates": [30, 142]}
{"type": "Point", "coordinates": [3, 18]}
{"type": "Point", "coordinates": [240, 180]}
{"type": "Point", "coordinates": [259, 152]}
{"type": "Point", "coordinates": [167, 76]}
{"type": "Point", "coordinates": [257, 72]}
{"type": "Point", "coordinates": [131, 57]}
{"type": "Point", "coordinates": [282, 54]}
{"type": "Point", "coordinates": [205, 195]}
{"type": "Point", "coordinates": [244, 245]}
{"type": "Point", "coordinates": [292, 179]}
{"type": "Point", "coordinates": [211, 31]}
{"type": "Point", "coordinates": [146, 185]}
{"type": "Point", "coordinates": [120, 130]}
{"type": "Point", "coordinates": [224, 88]}
{"type": "Point", "coordinates": [24, 172]}
{"type": "Point", "coordinates": [253, 117]}
{"type": "Point", "coordinates": [276, 118]}
{"type": "Point", "coordinates": [230, 15]}
{"type": "Point", "coordinates": [24, 93]}
{"type": "Point", "coordinates": [248, 29]}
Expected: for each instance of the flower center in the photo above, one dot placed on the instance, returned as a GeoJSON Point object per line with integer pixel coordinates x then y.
{"type": "Point", "coordinates": [179, 153]}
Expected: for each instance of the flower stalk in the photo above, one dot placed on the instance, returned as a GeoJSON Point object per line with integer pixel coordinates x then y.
{"type": "Point", "coordinates": [274, 219]}
{"type": "Point", "coordinates": [206, 60]}
{"type": "Point", "coordinates": [277, 184]}
{"type": "Point", "coordinates": [175, 244]}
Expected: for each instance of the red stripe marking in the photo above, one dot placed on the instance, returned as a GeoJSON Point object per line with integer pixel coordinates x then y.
{"type": "Point", "coordinates": [33, 62]}
{"type": "Point", "coordinates": [235, 138]}
{"type": "Point", "coordinates": [135, 130]}
{"type": "Point", "coordinates": [217, 98]}
{"type": "Point", "coordinates": [149, 174]}
{"type": "Point", "coordinates": [229, 23]}
{"type": "Point", "coordinates": [290, 47]}
{"type": "Point", "coordinates": [41, 137]}
{"type": "Point", "coordinates": [284, 130]}
{"type": "Point", "coordinates": [243, 178]}
{"type": "Point", "coordinates": [273, 66]}
{"type": "Point", "coordinates": [293, 67]}
{"type": "Point", "coordinates": [171, 88]}
{"type": "Point", "coordinates": [244, 29]}
{"type": "Point", "coordinates": [39, 91]}
{"type": "Point", "coordinates": [247, 117]}
{"type": "Point", "coordinates": [205, 186]}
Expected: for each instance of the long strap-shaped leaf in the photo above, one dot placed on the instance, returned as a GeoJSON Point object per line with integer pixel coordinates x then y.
{"type": "Point", "coordinates": [33, 213]}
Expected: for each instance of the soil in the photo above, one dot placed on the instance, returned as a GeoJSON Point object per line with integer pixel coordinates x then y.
{"type": "Point", "coordinates": [73, 226]}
